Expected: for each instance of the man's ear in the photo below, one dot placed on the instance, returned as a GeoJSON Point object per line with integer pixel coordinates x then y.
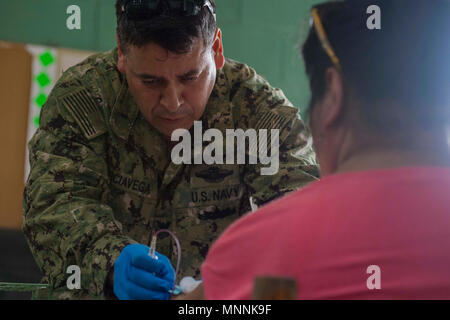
{"type": "Point", "coordinates": [331, 106]}
{"type": "Point", "coordinates": [121, 56]}
{"type": "Point", "coordinates": [217, 48]}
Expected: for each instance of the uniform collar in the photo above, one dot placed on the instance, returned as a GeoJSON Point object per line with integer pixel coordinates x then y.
{"type": "Point", "coordinates": [124, 111]}
{"type": "Point", "coordinates": [218, 105]}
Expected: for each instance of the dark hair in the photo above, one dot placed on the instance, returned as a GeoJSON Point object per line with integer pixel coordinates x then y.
{"type": "Point", "coordinates": [406, 62]}
{"type": "Point", "coordinates": [170, 29]}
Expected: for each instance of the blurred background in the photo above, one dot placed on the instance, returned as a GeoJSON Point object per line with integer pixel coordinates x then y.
{"type": "Point", "coordinates": [36, 47]}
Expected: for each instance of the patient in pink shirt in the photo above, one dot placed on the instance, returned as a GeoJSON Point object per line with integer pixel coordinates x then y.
{"type": "Point", "coordinates": [377, 225]}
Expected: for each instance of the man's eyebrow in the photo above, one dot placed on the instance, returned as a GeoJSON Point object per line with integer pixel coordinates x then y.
{"type": "Point", "coordinates": [190, 73]}
{"type": "Point", "coordinates": [146, 76]}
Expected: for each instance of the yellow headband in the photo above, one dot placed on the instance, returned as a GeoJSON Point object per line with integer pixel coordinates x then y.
{"type": "Point", "coordinates": [323, 38]}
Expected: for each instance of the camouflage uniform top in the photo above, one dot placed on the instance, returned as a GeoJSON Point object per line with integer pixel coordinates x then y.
{"type": "Point", "coordinates": [102, 178]}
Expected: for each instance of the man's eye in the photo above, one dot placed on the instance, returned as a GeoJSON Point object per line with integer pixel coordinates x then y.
{"type": "Point", "coordinates": [150, 82]}
{"type": "Point", "coordinates": [190, 79]}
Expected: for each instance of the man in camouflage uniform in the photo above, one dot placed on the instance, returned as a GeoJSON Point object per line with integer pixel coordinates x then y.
{"type": "Point", "coordinates": [101, 173]}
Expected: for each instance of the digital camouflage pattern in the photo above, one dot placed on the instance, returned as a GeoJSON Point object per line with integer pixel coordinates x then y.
{"type": "Point", "coordinates": [102, 178]}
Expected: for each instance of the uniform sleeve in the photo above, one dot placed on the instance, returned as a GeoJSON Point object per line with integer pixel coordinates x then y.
{"type": "Point", "coordinates": [66, 217]}
{"type": "Point", "coordinates": [265, 107]}
{"type": "Point", "coordinates": [296, 168]}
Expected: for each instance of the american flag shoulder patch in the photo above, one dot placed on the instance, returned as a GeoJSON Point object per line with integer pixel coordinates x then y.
{"type": "Point", "coordinates": [86, 113]}
{"type": "Point", "coordinates": [270, 120]}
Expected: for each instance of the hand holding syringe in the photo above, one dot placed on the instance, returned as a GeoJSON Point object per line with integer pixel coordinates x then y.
{"type": "Point", "coordinates": [187, 284]}
{"type": "Point", "coordinates": [137, 276]}
{"type": "Point", "coordinates": [141, 273]}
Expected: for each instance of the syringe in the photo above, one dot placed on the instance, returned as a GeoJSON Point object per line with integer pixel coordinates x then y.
{"type": "Point", "coordinates": [152, 253]}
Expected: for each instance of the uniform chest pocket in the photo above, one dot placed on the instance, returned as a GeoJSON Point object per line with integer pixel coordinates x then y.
{"type": "Point", "coordinates": [215, 195]}
{"type": "Point", "coordinates": [131, 184]}
{"type": "Point", "coordinates": [133, 201]}
{"type": "Point", "coordinates": [212, 191]}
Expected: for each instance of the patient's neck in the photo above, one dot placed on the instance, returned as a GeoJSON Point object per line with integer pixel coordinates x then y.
{"type": "Point", "coordinates": [429, 150]}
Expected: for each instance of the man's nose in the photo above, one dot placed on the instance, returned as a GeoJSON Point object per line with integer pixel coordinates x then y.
{"type": "Point", "coordinates": [171, 98]}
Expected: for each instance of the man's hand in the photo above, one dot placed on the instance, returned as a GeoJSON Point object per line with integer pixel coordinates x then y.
{"type": "Point", "coordinates": [139, 276]}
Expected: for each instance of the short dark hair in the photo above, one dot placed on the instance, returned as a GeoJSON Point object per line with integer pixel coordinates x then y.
{"type": "Point", "coordinates": [170, 29]}
{"type": "Point", "coordinates": [405, 62]}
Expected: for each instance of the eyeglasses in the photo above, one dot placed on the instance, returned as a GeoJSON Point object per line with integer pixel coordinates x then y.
{"type": "Point", "coordinates": [318, 26]}
{"type": "Point", "coordinates": [144, 9]}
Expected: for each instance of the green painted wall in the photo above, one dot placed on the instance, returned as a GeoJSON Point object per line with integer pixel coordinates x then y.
{"type": "Point", "coordinates": [262, 33]}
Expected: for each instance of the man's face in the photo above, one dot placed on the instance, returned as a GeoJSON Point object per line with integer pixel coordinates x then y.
{"type": "Point", "coordinates": [171, 90]}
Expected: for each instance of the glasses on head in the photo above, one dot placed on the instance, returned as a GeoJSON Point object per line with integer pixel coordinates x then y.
{"type": "Point", "coordinates": [144, 9]}
{"type": "Point", "coordinates": [320, 30]}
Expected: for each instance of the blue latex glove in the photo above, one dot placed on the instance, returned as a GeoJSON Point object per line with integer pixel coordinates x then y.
{"type": "Point", "coordinates": [141, 277]}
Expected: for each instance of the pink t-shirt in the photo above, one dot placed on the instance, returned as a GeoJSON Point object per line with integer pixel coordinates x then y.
{"type": "Point", "coordinates": [328, 234]}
